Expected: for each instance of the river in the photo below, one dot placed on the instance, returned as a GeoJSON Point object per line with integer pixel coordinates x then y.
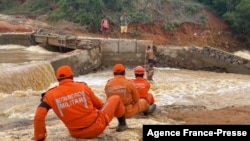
{"type": "Point", "coordinates": [170, 86]}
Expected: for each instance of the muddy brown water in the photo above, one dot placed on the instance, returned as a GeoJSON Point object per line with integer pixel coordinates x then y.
{"type": "Point", "coordinates": [171, 86]}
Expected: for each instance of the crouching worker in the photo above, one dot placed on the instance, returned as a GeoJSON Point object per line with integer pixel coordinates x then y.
{"type": "Point", "coordinates": [123, 87]}
{"type": "Point", "coordinates": [142, 85]}
{"type": "Point", "coordinates": [76, 105]}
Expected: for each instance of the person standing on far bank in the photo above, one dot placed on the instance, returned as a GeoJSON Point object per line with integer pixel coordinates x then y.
{"type": "Point", "coordinates": [105, 26]}
{"type": "Point", "coordinates": [124, 23]}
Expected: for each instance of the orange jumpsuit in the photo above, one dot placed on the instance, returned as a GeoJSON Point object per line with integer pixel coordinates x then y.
{"type": "Point", "coordinates": [125, 88]}
{"type": "Point", "coordinates": [142, 85]}
{"type": "Point", "coordinates": [83, 113]}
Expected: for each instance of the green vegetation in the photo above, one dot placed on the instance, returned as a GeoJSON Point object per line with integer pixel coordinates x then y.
{"type": "Point", "coordinates": [170, 12]}
{"type": "Point", "coordinates": [235, 12]}
{"type": "Point", "coordinates": [89, 12]}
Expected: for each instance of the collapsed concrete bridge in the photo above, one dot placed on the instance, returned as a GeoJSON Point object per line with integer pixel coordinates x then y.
{"type": "Point", "coordinates": [86, 54]}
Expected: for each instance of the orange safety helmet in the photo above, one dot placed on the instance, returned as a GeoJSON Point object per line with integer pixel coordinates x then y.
{"type": "Point", "coordinates": [118, 68]}
{"type": "Point", "coordinates": [64, 71]}
{"type": "Point", "coordinates": [139, 70]}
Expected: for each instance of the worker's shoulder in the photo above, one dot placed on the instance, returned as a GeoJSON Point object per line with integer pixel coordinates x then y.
{"type": "Point", "coordinates": [51, 89]}
{"type": "Point", "coordinates": [81, 82]}
{"type": "Point", "coordinates": [111, 79]}
{"type": "Point", "coordinates": [130, 81]}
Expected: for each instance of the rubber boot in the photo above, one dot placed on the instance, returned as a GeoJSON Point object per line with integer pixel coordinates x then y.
{"type": "Point", "coordinates": [122, 124]}
{"type": "Point", "coordinates": [151, 109]}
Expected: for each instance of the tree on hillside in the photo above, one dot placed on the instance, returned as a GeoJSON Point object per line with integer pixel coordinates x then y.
{"type": "Point", "coordinates": [87, 12]}
{"type": "Point", "coordinates": [113, 4]}
{"type": "Point", "coordinates": [221, 6]}
{"type": "Point", "coordinates": [235, 12]}
{"type": "Point", "coordinates": [239, 20]}
{"type": "Point", "coordinates": [7, 4]}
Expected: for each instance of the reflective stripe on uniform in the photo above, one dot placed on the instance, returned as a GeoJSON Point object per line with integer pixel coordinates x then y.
{"type": "Point", "coordinates": [104, 106]}
{"type": "Point", "coordinates": [84, 99]}
{"type": "Point", "coordinates": [59, 107]}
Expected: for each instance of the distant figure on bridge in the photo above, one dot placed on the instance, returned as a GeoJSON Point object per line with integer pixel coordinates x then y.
{"type": "Point", "coordinates": [125, 88]}
{"type": "Point", "coordinates": [124, 23]}
{"type": "Point", "coordinates": [142, 85]}
{"type": "Point", "coordinates": [105, 26]}
{"type": "Point", "coordinates": [76, 105]}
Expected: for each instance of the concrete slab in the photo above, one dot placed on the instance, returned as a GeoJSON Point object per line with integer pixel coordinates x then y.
{"type": "Point", "coordinates": [110, 46]}
{"type": "Point", "coordinates": [141, 45]}
{"type": "Point", "coordinates": [127, 46]}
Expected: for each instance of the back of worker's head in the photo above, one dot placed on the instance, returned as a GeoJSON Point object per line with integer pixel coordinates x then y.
{"type": "Point", "coordinates": [139, 71]}
{"type": "Point", "coordinates": [64, 72]}
{"type": "Point", "coordinates": [119, 69]}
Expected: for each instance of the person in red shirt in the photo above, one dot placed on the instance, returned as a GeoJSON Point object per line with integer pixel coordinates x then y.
{"type": "Point", "coordinates": [76, 105]}
{"type": "Point", "coordinates": [105, 26]}
{"type": "Point", "coordinates": [123, 87]}
{"type": "Point", "coordinates": [143, 85]}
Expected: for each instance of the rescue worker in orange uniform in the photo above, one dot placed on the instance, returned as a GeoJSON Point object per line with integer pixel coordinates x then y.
{"type": "Point", "coordinates": [76, 105]}
{"type": "Point", "coordinates": [142, 85]}
{"type": "Point", "coordinates": [120, 85]}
